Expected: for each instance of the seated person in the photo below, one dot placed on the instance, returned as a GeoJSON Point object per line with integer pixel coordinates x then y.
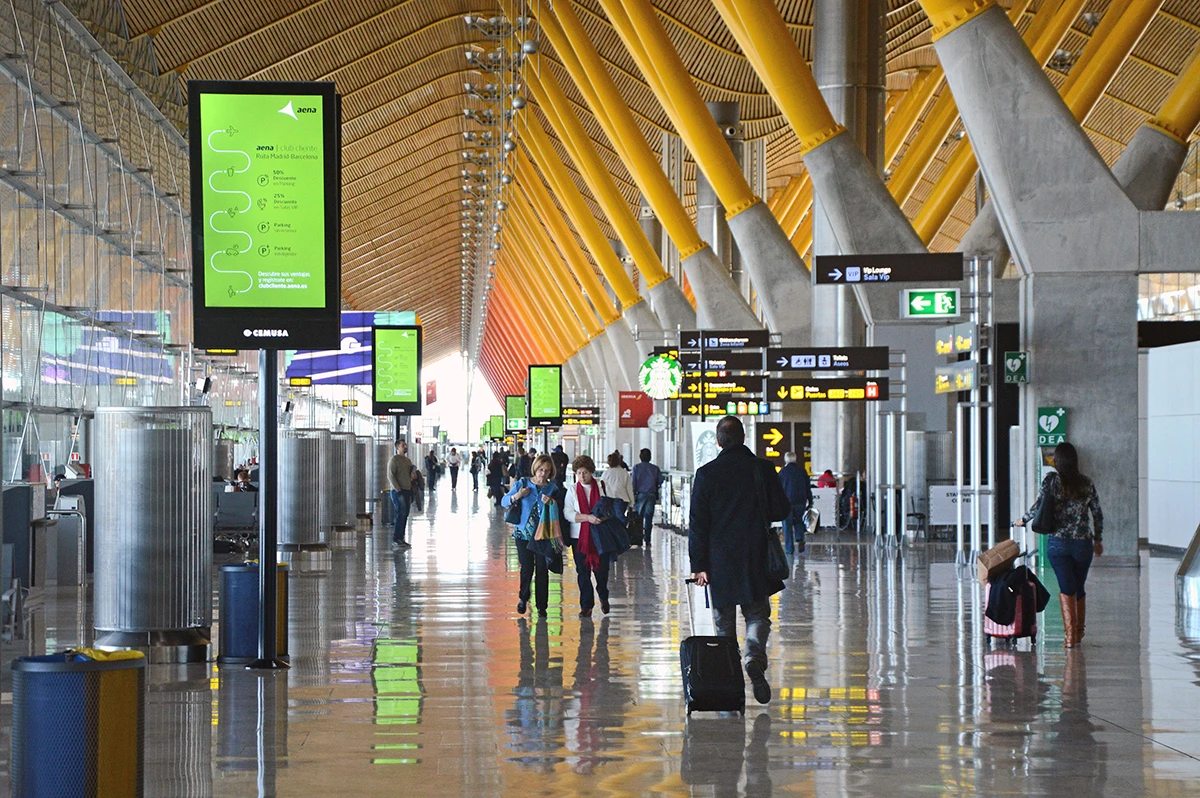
{"type": "Point", "coordinates": [241, 481]}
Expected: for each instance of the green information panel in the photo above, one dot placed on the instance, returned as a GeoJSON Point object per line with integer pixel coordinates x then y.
{"type": "Point", "coordinates": [514, 414]}
{"type": "Point", "coordinates": [545, 396]}
{"type": "Point", "coordinates": [265, 175]}
{"type": "Point", "coordinates": [396, 354]}
{"type": "Point", "coordinates": [496, 427]}
{"type": "Point", "coordinates": [1051, 426]}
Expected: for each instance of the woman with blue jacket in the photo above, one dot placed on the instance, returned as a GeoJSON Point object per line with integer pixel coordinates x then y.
{"type": "Point", "coordinates": [531, 493]}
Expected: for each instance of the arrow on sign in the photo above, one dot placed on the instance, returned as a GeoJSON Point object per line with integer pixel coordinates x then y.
{"type": "Point", "coordinates": [783, 361]}
{"type": "Point", "coordinates": [693, 409]}
{"type": "Point", "coordinates": [773, 437]}
{"type": "Point", "coordinates": [919, 302]}
{"type": "Point", "coordinates": [782, 393]}
{"type": "Point", "coordinates": [692, 342]}
{"type": "Point", "coordinates": [836, 274]}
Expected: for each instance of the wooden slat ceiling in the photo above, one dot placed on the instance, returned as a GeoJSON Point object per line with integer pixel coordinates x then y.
{"type": "Point", "coordinates": [400, 66]}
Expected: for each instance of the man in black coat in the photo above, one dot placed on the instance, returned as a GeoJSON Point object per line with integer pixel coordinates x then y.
{"type": "Point", "coordinates": [727, 542]}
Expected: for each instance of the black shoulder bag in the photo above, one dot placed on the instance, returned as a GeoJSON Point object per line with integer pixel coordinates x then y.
{"type": "Point", "coordinates": [777, 564]}
{"type": "Point", "coordinates": [1043, 522]}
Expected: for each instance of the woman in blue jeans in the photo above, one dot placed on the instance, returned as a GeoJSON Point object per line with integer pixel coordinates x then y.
{"type": "Point", "coordinates": [1073, 541]}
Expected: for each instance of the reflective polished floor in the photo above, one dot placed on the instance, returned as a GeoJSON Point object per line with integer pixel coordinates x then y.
{"type": "Point", "coordinates": [412, 674]}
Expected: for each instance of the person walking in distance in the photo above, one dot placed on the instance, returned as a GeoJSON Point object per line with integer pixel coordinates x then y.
{"type": "Point", "coordinates": [400, 471]}
{"type": "Point", "coordinates": [646, 479]}
{"type": "Point", "coordinates": [454, 461]}
{"type": "Point", "coordinates": [799, 492]}
{"type": "Point", "coordinates": [1073, 542]}
{"type": "Point", "coordinates": [735, 497]}
{"type": "Point", "coordinates": [581, 501]}
{"type": "Point", "coordinates": [478, 463]}
{"type": "Point", "coordinates": [495, 477]}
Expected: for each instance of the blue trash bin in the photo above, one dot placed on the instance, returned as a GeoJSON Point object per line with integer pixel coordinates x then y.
{"type": "Point", "coordinates": [78, 722]}
{"type": "Point", "coordinates": [238, 639]}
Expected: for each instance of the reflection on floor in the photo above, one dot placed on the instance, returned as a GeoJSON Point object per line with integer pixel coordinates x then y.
{"type": "Point", "coordinates": [412, 674]}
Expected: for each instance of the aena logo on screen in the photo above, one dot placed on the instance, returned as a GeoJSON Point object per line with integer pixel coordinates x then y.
{"type": "Point", "coordinates": [265, 333]}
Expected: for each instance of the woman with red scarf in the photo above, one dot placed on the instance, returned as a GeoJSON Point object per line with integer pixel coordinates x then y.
{"type": "Point", "coordinates": [581, 499]}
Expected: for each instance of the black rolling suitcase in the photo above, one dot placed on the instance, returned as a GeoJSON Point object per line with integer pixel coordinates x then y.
{"type": "Point", "coordinates": [712, 671]}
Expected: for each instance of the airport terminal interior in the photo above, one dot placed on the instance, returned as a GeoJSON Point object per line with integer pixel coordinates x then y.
{"type": "Point", "coordinates": [937, 258]}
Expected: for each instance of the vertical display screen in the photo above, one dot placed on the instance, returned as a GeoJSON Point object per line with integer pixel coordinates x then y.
{"type": "Point", "coordinates": [265, 176]}
{"type": "Point", "coordinates": [514, 414]}
{"type": "Point", "coordinates": [496, 427]}
{"type": "Point", "coordinates": [545, 396]}
{"type": "Point", "coordinates": [396, 352]}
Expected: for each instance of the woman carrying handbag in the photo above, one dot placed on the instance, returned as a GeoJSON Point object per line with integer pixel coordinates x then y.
{"type": "Point", "coordinates": [1073, 542]}
{"type": "Point", "coordinates": [529, 494]}
{"type": "Point", "coordinates": [582, 498]}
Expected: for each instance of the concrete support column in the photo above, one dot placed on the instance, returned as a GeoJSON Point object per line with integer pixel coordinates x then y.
{"type": "Point", "coordinates": [848, 65]}
{"type": "Point", "coordinates": [710, 213]}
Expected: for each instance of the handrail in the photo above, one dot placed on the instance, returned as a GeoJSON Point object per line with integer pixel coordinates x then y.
{"type": "Point", "coordinates": [1187, 578]}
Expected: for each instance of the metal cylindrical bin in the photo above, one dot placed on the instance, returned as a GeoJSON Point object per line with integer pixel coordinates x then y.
{"type": "Point", "coordinates": [78, 724]}
{"type": "Point", "coordinates": [238, 636]}
{"type": "Point", "coordinates": [153, 584]}
{"type": "Point", "coordinates": [356, 487]}
{"type": "Point", "coordinates": [223, 459]}
{"type": "Point", "coordinates": [302, 454]}
{"type": "Point", "coordinates": [334, 491]}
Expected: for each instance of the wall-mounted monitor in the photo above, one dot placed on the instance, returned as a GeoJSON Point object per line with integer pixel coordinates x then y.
{"type": "Point", "coordinates": [266, 214]}
{"type": "Point", "coordinates": [514, 414]}
{"type": "Point", "coordinates": [396, 354]}
{"type": "Point", "coordinates": [545, 396]}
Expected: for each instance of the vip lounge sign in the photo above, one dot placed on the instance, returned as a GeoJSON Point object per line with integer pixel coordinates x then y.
{"type": "Point", "coordinates": [1051, 426]}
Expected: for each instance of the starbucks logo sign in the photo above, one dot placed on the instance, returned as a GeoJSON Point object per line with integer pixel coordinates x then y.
{"type": "Point", "coordinates": [660, 377]}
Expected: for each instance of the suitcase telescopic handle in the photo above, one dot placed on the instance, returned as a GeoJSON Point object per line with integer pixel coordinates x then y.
{"type": "Point", "coordinates": [691, 610]}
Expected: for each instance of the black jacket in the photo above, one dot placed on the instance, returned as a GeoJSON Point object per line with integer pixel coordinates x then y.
{"type": "Point", "coordinates": [727, 528]}
{"type": "Point", "coordinates": [1004, 590]}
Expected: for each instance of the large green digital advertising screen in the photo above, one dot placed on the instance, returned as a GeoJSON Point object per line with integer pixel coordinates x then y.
{"type": "Point", "coordinates": [545, 396]}
{"type": "Point", "coordinates": [396, 360]}
{"type": "Point", "coordinates": [514, 414]}
{"type": "Point", "coordinates": [264, 200]}
{"type": "Point", "coordinates": [496, 427]}
{"type": "Point", "coordinates": [265, 174]}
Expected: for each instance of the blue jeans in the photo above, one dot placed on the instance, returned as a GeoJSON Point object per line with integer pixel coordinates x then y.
{"type": "Point", "coordinates": [793, 530]}
{"type": "Point", "coordinates": [1071, 560]}
{"type": "Point", "coordinates": [401, 501]}
{"type": "Point", "coordinates": [758, 627]}
{"type": "Point", "coordinates": [644, 503]}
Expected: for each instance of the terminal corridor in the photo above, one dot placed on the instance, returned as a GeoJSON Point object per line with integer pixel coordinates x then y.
{"type": "Point", "coordinates": [411, 672]}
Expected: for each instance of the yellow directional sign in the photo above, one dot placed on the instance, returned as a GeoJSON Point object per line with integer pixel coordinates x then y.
{"type": "Point", "coordinates": [773, 440]}
{"type": "Point", "coordinates": [773, 436]}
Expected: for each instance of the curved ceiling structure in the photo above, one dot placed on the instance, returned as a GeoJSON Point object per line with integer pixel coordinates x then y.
{"type": "Point", "coordinates": [401, 69]}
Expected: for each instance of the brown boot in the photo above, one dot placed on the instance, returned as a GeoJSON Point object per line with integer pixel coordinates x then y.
{"type": "Point", "coordinates": [1070, 630]}
{"type": "Point", "coordinates": [1080, 614]}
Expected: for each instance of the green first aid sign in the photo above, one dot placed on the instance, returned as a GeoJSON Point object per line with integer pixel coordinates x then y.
{"type": "Point", "coordinates": [926, 303]}
{"type": "Point", "coordinates": [1051, 426]}
{"type": "Point", "coordinates": [262, 159]}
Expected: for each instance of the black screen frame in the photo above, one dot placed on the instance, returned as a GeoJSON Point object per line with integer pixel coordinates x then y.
{"type": "Point", "coordinates": [379, 408]}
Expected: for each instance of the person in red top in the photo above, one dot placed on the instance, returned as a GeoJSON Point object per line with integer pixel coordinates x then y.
{"type": "Point", "coordinates": [581, 500]}
{"type": "Point", "coordinates": [827, 480]}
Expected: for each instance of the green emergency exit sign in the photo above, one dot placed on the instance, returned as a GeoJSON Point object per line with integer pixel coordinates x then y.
{"type": "Point", "coordinates": [925, 303]}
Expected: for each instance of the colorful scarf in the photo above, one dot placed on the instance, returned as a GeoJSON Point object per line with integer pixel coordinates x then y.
{"type": "Point", "coordinates": [586, 505]}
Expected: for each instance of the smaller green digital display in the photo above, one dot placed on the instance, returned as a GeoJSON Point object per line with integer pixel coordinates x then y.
{"type": "Point", "coordinates": [545, 396]}
{"type": "Point", "coordinates": [514, 414]}
{"type": "Point", "coordinates": [396, 353]}
{"type": "Point", "coordinates": [496, 427]}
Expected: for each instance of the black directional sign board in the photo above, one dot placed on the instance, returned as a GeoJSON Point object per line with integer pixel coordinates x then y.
{"type": "Point", "coordinates": [692, 408]}
{"type": "Point", "coordinates": [772, 440]}
{"type": "Point", "coordinates": [847, 358]}
{"type": "Point", "coordinates": [715, 385]}
{"type": "Point", "coordinates": [858, 269]}
{"type": "Point", "coordinates": [834, 389]}
{"type": "Point", "coordinates": [670, 351]}
{"type": "Point", "coordinates": [723, 339]}
{"type": "Point", "coordinates": [722, 361]}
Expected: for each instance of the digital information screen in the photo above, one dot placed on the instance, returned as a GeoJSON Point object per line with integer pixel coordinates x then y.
{"type": "Point", "coordinates": [545, 396]}
{"type": "Point", "coordinates": [514, 414]}
{"type": "Point", "coordinates": [266, 210]}
{"type": "Point", "coordinates": [496, 427]}
{"type": "Point", "coordinates": [397, 371]}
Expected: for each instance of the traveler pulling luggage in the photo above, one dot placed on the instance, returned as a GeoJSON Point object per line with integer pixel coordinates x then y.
{"type": "Point", "coordinates": [712, 670]}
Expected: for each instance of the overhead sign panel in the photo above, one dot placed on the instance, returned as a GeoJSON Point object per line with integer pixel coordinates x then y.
{"type": "Point", "coordinates": [545, 396]}
{"type": "Point", "coordinates": [514, 414]}
{"type": "Point", "coordinates": [723, 339]}
{"type": "Point", "coordinates": [833, 389]}
{"type": "Point", "coordinates": [848, 358]}
{"type": "Point", "coordinates": [907, 268]}
{"type": "Point", "coordinates": [957, 339]}
{"type": "Point", "coordinates": [937, 303]}
{"type": "Point", "coordinates": [396, 389]}
{"type": "Point", "coordinates": [772, 440]}
{"type": "Point", "coordinates": [723, 361]}
{"type": "Point", "coordinates": [266, 210]}
{"type": "Point", "coordinates": [954, 377]}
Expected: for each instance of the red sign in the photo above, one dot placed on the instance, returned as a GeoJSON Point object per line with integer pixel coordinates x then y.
{"type": "Point", "coordinates": [635, 409]}
{"type": "Point", "coordinates": [431, 392]}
